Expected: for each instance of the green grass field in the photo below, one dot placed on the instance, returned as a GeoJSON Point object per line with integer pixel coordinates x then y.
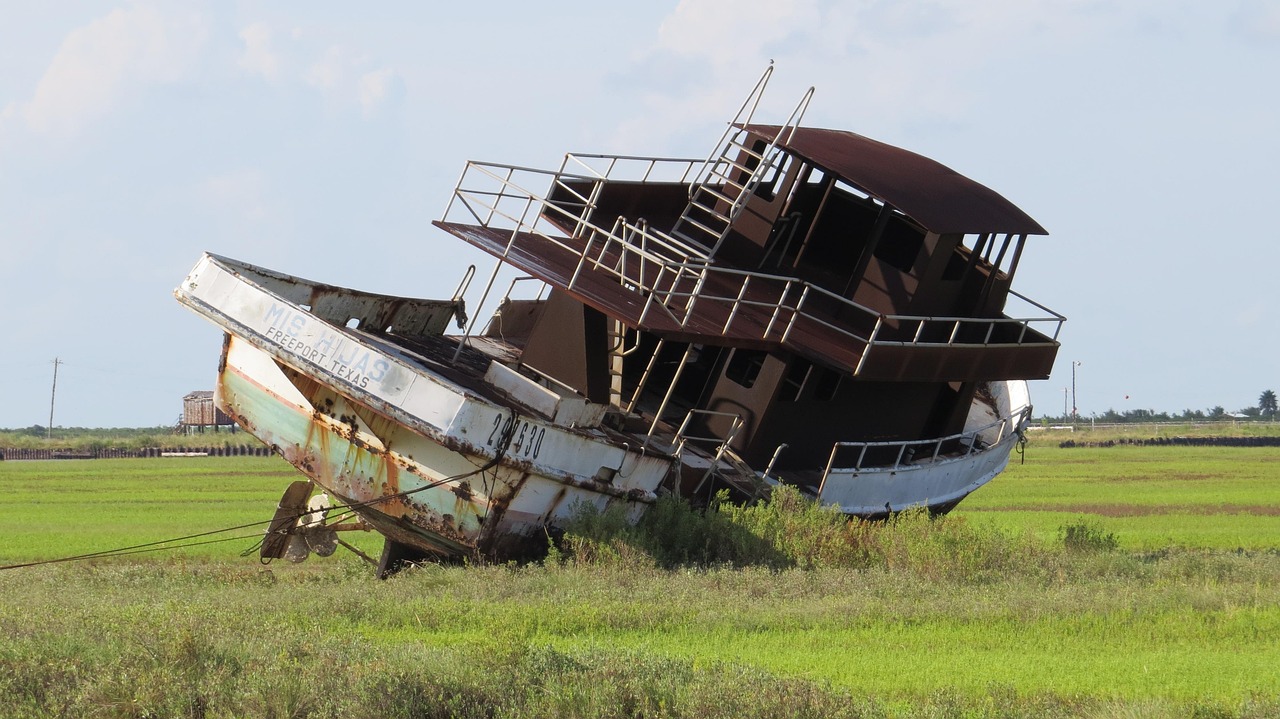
{"type": "Point", "coordinates": [1149, 497]}
{"type": "Point", "coordinates": [73, 507]}
{"type": "Point", "coordinates": [984, 614]}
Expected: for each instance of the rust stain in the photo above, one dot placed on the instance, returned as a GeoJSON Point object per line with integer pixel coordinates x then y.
{"type": "Point", "coordinates": [392, 473]}
{"type": "Point", "coordinates": [555, 504]}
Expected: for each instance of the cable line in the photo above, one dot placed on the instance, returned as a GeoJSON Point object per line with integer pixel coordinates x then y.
{"type": "Point", "coordinates": [158, 545]}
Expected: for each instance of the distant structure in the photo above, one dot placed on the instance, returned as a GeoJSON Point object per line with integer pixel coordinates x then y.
{"type": "Point", "coordinates": [199, 413]}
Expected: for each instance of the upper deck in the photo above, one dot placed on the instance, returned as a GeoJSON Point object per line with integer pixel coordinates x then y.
{"type": "Point", "coordinates": [608, 231]}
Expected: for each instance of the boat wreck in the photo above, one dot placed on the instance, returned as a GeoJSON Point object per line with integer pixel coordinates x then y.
{"type": "Point", "coordinates": [806, 306]}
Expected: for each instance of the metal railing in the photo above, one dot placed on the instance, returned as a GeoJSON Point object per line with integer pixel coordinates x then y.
{"type": "Point", "coordinates": [929, 329]}
{"type": "Point", "coordinates": [682, 436]}
{"type": "Point", "coordinates": [717, 173]}
{"type": "Point", "coordinates": [675, 276]}
{"type": "Point", "coordinates": [618, 167]}
{"type": "Point", "coordinates": [872, 455]}
{"type": "Point", "coordinates": [722, 445]}
{"type": "Point", "coordinates": [490, 192]}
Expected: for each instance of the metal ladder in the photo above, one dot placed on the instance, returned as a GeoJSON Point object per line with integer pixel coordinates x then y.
{"type": "Point", "coordinates": [731, 175]}
{"type": "Point", "coordinates": [740, 476]}
{"type": "Point", "coordinates": [617, 334]}
{"type": "Point", "coordinates": [738, 473]}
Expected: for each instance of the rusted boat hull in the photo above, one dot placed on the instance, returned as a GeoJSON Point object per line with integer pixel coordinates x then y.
{"type": "Point", "coordinates": [439, 466]}
{"type": "Point", "coordinates": [426, 462]}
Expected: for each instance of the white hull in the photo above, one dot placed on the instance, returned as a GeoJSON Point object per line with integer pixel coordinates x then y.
{"type": "Point", "coordinates": [916, 477]}
{"type": "Point", "coordinates": [427, 462]}
{"type": "Point", "coordinates": [457, 464]}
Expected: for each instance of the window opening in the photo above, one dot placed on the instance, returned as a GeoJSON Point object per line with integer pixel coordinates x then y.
{"type": "Point", "coordinates": [744, 366]}
{"type": "Point", "coordinates": [900, 244]}
{"type": "Point", "coordinates": [826, 383]}
{"type": "Point", "coordinates": [793, 382]}
{"type": "Point", "coordinates": [772, 183]}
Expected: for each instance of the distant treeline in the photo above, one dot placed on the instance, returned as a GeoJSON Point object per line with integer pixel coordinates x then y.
{"type": "Point", "coordinates": [16, 453]}
{"type": "Point", "coordinates": [1175, 441]}
{"type": "Point", "coordinates": [82, 440]}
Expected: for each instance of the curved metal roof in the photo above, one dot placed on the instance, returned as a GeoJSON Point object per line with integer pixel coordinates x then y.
{"type": "Point", "coordinates": [939, 198]}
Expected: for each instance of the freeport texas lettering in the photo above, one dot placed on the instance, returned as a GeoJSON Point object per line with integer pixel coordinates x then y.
{"type": "Point", "coordinates": [325, 348]}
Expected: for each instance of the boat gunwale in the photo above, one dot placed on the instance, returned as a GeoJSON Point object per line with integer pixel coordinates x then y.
{"type": "Point", "coordinates": [414, 423]}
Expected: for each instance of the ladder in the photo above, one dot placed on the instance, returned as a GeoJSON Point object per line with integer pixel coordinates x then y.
{"type": "Point", "coordinates": [617, 333]}
{"type": "Point", "coordinates": [739, 474]}
{"type": "Point", "coordinates": [724, 463]}
{"type": "Point", "coordinates": [732, 172]}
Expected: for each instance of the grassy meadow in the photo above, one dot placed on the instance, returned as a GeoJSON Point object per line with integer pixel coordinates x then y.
{"type": "Point", "coordinates": [1149, 497]}
{"type": "Point", "coordinates": [1112, 582]}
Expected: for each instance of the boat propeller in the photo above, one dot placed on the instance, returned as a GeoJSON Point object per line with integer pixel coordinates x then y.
{"type": "Point", "coordinates": [299, 526]}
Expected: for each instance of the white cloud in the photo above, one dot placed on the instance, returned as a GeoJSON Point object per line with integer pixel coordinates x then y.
{"type": "Point", "coordinates": [344, 77]}
{"type": "Point", "coordinates": [327, 73]}
{"type": "Point", "coordinates": [258, 57]}
{"type": "Point", "coordinates": [374, 88]}
{"type": "Point", "coordinates": [889, 61]}
{"type": "Point", "coordinates": [102, 62]}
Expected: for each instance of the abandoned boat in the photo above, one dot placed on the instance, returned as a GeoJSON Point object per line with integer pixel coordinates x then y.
{"type": "Point", "coordinates": [804, 305]}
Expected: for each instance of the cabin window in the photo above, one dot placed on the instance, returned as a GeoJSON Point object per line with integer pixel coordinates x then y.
{"type": "Point", "coordinates": [793, 382]}
{"type": "Point", "coordinates": [825, 384]}
{"type": "Point", "coordinates": [900, 244]}
{"type": "Point", "coordinates": [841, 231]}
{"type": "Point", "coordinates": [744, 366]}
{"type": "Point", "coordinates": [771, 184]}
{"type": "Point", "coordinates": [750, 160]}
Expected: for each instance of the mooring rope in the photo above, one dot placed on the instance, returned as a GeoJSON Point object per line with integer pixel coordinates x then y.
{"type": "Point", "coordinates": [164, 544]}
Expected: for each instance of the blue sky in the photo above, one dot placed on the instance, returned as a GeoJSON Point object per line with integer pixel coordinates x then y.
{"type": "Point", "coordinates": [322, 140]}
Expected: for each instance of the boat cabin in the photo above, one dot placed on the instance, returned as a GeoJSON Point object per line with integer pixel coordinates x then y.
{"type": "Point", "coordinates": [805, 287]}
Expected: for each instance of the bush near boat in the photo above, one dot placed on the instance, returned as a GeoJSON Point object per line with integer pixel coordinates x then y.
{"type": "Point", "coordinates": [774, 610]}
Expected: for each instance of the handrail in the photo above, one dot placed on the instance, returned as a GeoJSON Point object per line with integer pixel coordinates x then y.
{"type": "Point", "coordinates": [484, 211]}
{"type": "Point", "coordinates": [735, 425]}
{"type": "Point", "coordinates": [797, 309]}
{"type": "Point", "coordinates": [756, 94]}
{"type": "Point", "coordinates": [1006, 426]}
{"type": "Point", "coordinates": [616, 162]}
{"type": "Point", "coordinates": [654, 263]}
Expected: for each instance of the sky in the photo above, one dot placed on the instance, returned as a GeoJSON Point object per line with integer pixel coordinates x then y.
{"type": "Point", "coordinates": [321, 139]}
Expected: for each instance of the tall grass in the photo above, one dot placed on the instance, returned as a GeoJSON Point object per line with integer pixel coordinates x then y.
{"type": "Point", "coordinates": [1162, 636]}
{"type": "Point", "coordinates": [789, 530]}
{"type": "Point", "coordinates": [777, 609]}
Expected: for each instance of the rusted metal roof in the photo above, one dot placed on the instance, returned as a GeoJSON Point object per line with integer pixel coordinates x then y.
{"type": "Point", "coordinates": [939, 198]}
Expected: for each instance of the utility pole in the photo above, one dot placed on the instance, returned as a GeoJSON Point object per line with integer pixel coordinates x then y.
{"type": "Point", "coordinates": [53, 393]}
{"type": "Point", "coordinates": [1075, 409]}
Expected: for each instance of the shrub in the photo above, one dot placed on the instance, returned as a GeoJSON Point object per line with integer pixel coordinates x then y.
{"type": "Point", "coordinates": [1082, 536]}
{"type": "Point", "coordinates": [790, 530]}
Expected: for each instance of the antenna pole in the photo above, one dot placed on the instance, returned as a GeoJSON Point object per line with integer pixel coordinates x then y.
{"type": "Point", "coordinates": [53, 393]}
